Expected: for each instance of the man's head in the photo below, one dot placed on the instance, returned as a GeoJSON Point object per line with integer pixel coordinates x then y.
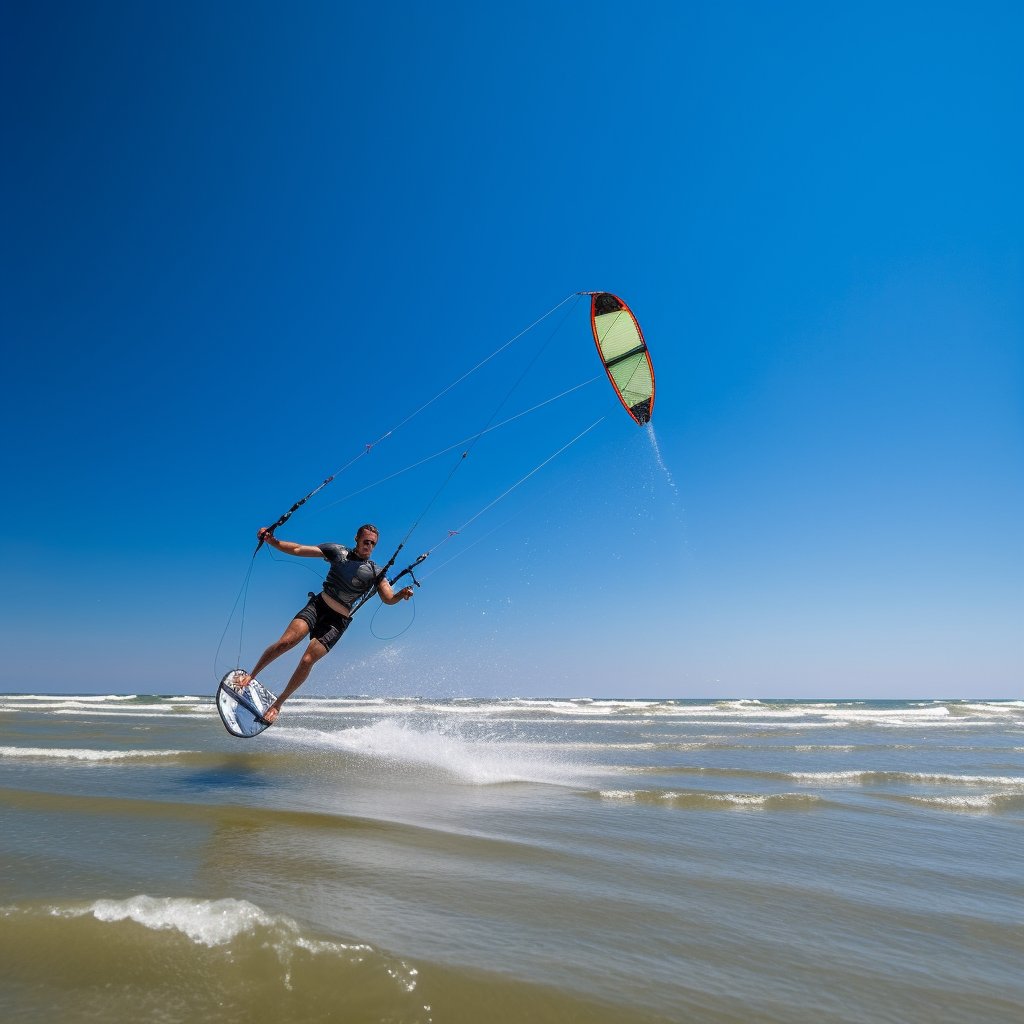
{"type": "Point", "coordinates": [366, 539]}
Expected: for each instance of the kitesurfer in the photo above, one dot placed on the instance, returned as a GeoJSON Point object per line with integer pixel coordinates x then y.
{"type": "Point", "coordinates": [326, 615]}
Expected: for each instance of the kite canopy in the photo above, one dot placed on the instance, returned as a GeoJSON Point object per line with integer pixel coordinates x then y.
{"type": "Point", "coordinates": [623, 351]}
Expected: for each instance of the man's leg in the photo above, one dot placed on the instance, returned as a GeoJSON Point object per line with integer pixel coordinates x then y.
{"type": "Point", "coordinates": [314, 652]}
{"type": "Point", "coordinates": [297, 630]}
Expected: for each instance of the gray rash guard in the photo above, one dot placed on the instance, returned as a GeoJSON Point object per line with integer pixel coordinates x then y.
{"type": "Point", "coordinates": [348, 579]}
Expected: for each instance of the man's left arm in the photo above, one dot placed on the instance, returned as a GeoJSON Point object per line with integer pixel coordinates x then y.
{"type": "Point", "coordinates": [388, 596]}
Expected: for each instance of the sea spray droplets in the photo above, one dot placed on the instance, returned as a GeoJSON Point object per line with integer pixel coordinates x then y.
{"type": "Point", "coordinates": [478, 761]}
{"type": "Point", "coordinates": [653, 438]}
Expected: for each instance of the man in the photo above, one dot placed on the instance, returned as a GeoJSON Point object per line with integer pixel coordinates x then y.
{"type": "Point", "coordinates": [327, 614]}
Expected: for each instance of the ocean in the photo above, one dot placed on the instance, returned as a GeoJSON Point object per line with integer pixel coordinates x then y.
{"type": "Point", "coordinates": [512, 860]}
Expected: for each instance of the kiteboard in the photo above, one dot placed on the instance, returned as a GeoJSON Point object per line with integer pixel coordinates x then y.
{"type": "Point", "coordinates": [242, 707]}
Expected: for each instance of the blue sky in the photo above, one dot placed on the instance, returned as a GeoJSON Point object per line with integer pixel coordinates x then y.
{"type": "Point", "coordinates": [241, 241]}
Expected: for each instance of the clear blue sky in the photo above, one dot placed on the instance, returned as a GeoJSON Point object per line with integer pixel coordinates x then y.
{"type": "Point", "coordinates": [242, 240]}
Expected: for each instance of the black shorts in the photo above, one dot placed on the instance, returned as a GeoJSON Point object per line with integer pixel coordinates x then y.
{"type": "Point", "coordinates": [325, 624]}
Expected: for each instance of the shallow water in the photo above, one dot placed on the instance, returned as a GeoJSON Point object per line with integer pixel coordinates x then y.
{"type": "Point", "coordinates": [553, 860]}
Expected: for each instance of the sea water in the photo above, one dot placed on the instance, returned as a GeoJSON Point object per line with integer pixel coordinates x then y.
{"type": "Point", "coordinates": [415, 860]}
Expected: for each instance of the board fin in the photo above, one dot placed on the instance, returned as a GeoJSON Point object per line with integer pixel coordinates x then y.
{"type": "Point", "coordinates": [242, 708]}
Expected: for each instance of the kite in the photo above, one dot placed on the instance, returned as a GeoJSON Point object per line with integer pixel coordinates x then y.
{"type": "Point", "coordinates": [623, 351]}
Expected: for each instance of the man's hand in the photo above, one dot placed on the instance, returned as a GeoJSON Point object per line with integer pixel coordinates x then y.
{"type": "Point", "coordinates": [404, 594]}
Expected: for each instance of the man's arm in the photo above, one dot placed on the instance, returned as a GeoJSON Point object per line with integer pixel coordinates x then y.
{"type": "Point", "coordinates": [388, 596]}
{"type": "Point", "coordinates": [289, 547]}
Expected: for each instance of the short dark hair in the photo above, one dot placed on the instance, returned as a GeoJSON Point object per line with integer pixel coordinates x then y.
{"type": "Point", "coordinates": [370, 528]}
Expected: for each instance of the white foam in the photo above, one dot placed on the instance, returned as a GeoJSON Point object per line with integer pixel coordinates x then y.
{"type": "Point", "coordinates": [149, 711]}
{"type": "Point", "coordinates": [77, 697]}
{"type": "Point", "coordinates": [982, 802]}
{"type": "Point", "coordinates": [82, 754]}
{"type": "Point", "coordinates": [726, 714]}
{"type": "Point", "coordinates": [86, 708]}
{"type": "Point", "coordinates": [924, 778]}
{"type": "Point", "coordinates": [204, 922]}
{"type": "Point", "coordinates": [741, 799]}
{"type": "Point", "coordinates": [992, 705]}
{"type": "Point", "coordinates": [808, 748]}
{"type": "Point", "coordinates": [340, 705]}
{"type": "Point", "coordinates": [698, 799]}
{"type": "Point", "coordinates": [474, 706]}
{"type": "Point", "coordinates": [825, 777]}
{"type": "Point", "coordinates": [213, 923]}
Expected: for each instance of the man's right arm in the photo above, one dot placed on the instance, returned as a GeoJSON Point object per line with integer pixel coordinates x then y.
{"type": "Point", "coordinates": [289, 547]}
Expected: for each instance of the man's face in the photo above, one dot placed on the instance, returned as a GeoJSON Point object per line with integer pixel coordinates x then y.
{"type": "Point", "coordinates": [365, 543]}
